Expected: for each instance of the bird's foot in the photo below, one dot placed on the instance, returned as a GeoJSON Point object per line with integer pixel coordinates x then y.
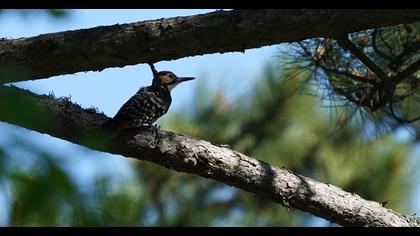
{"type": "Point", "coordinates": [155, 128]}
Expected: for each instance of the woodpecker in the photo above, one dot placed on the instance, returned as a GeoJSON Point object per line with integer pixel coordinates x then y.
{"type": "Point", "coordinates": [149, 103]}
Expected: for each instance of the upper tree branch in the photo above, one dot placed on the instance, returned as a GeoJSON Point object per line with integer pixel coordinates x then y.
{"type": "Point", "coordinates": [101, 47]}
{"type": "Point", "coordinates": [63, 119]}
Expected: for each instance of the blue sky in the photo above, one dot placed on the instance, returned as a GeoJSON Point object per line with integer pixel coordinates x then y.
{"type": "Point", "coordinates": [109, 89]}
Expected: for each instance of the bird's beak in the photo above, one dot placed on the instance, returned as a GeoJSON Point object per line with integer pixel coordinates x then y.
{"type": "Point", "coordinates": [183, 79]}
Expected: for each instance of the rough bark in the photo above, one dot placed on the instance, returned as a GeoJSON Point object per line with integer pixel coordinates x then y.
{"type": "Point", "coordinates": [62, 119]}
{"type": "Point", "coordinates": [102, 47]}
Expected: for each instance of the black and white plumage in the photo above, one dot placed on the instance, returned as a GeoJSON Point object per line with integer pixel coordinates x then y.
{"type": "Point", "coordinates": [149, 103]}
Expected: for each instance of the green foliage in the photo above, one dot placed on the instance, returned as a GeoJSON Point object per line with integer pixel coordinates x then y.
{"type": "Point", "coordinates": [54, 13]}
{"type": "Point", "coordinates": [57, 12]}
{"type": "Point", "coordinates": [386, 96]}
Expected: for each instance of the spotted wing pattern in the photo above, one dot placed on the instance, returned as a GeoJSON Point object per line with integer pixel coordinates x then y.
{"type": "Point", "coordinates": [144, 108]}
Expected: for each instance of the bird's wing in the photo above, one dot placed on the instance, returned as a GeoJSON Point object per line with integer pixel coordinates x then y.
{"type": "Point", "coordinates": [136, 108]}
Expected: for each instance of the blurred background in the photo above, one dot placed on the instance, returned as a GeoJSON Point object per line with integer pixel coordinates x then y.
{"type": "Point", "coordinates": [247, 100]}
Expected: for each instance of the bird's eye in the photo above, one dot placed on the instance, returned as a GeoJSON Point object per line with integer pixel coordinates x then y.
{"type": "Point", "coordinates": [171, 76]}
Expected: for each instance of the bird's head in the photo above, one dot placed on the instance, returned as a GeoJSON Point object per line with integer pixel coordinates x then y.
{"type": "Point", "coordinates": [169, 79]}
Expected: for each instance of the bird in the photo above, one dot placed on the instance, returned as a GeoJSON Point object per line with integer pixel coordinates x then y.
{"type": "Point", "coordinates": [149, 103]}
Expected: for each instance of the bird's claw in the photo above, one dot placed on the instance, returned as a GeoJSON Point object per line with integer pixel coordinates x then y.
{"type": "Point", "coordinates": [156, 128]}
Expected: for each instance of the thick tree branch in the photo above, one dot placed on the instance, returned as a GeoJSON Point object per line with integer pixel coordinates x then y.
{"type": "Point", "coordinates": [62, 119]}
{"type": "Point", "coordinates": [102, 47]}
